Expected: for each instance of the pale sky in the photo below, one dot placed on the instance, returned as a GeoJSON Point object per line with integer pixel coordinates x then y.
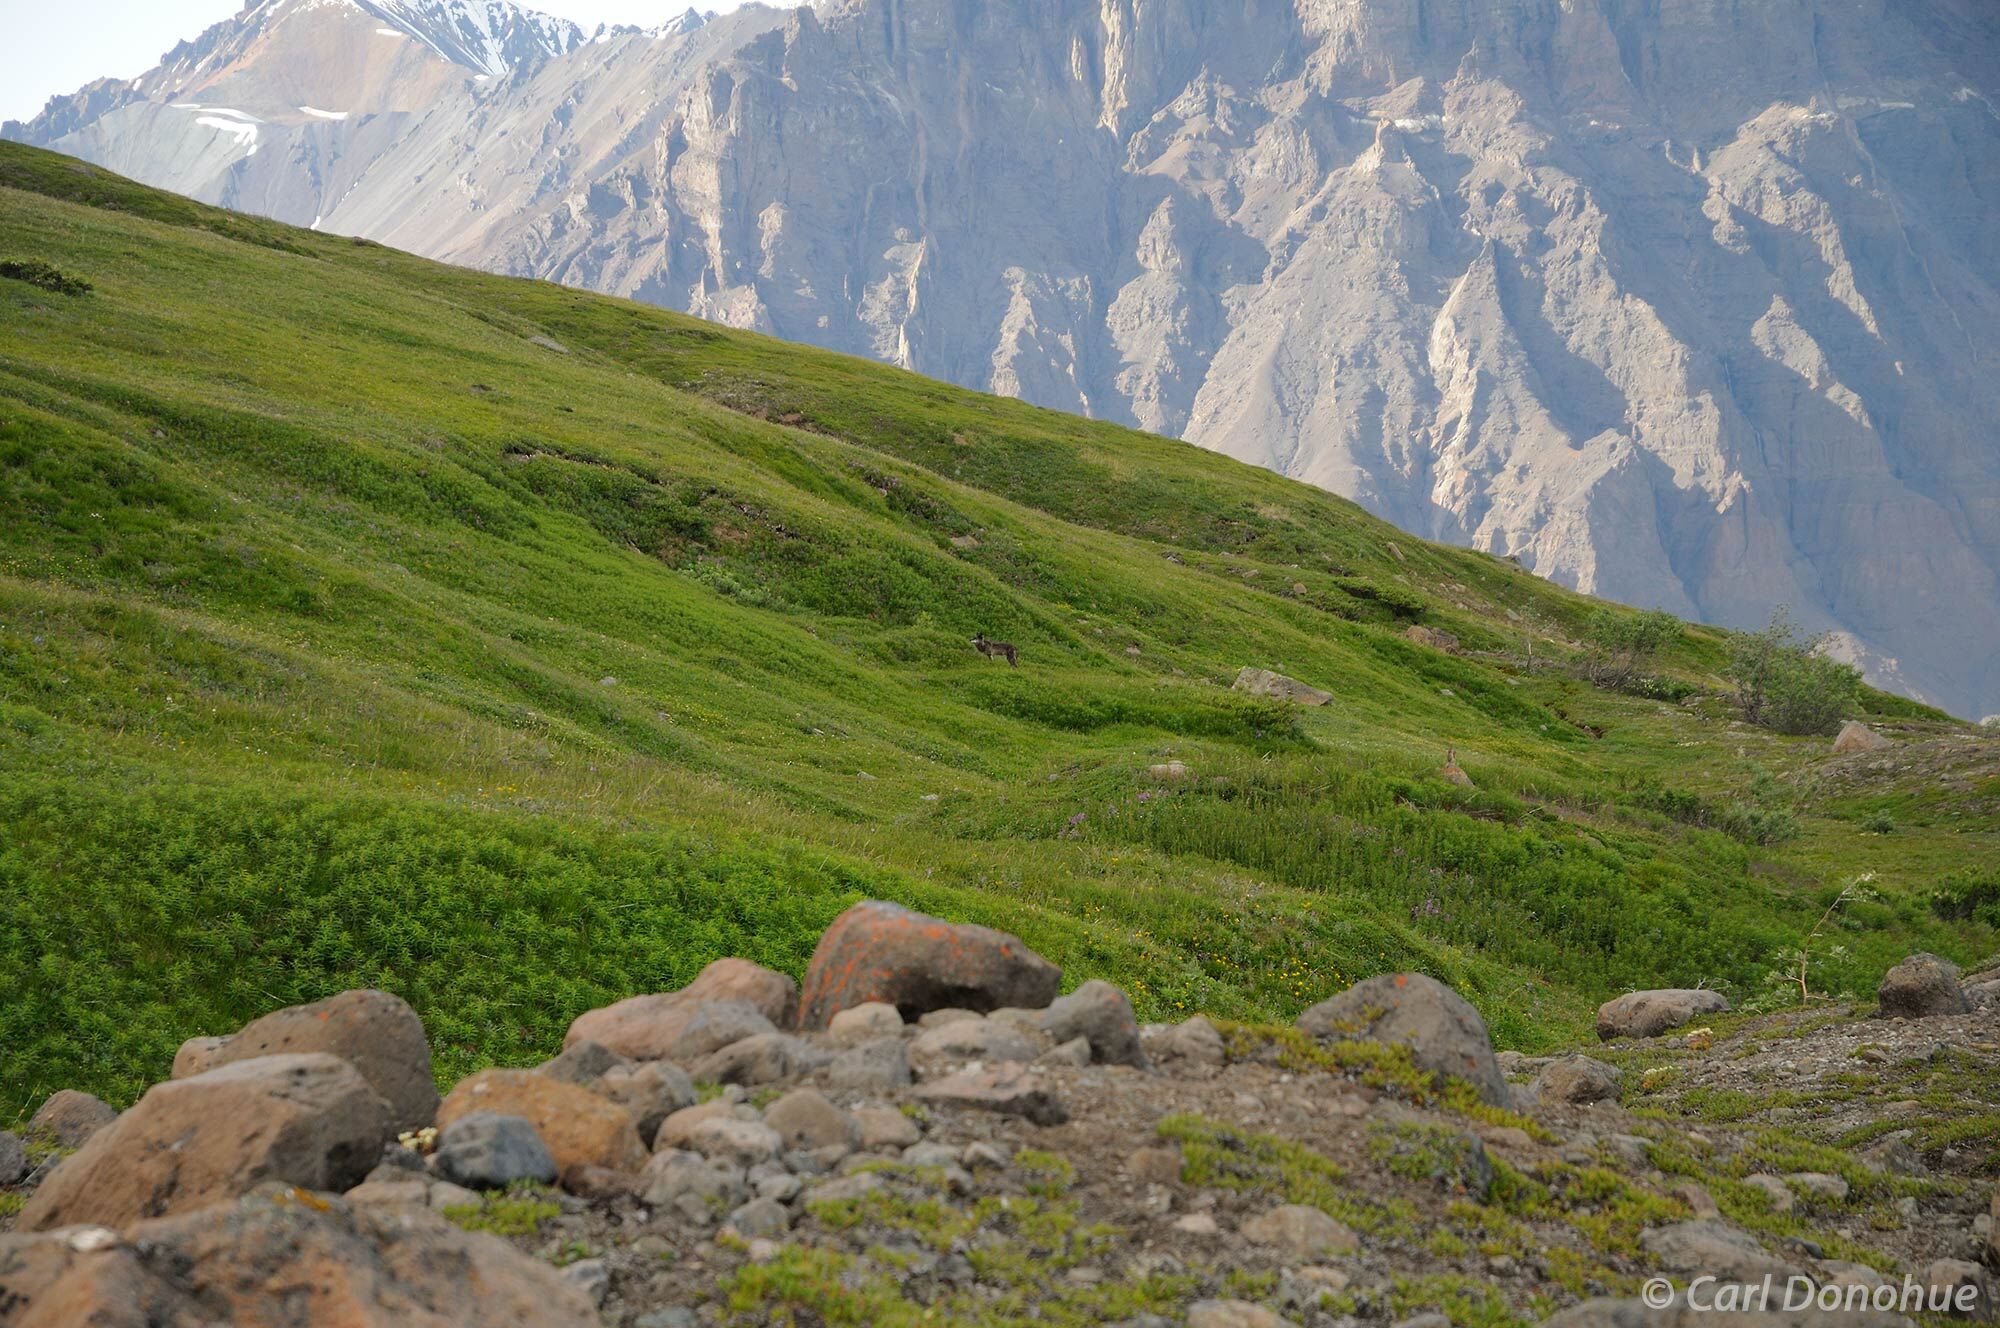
{"type": "Point", "coordinates": [51, 48]}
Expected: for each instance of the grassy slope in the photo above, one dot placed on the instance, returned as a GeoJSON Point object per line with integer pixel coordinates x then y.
{"type": "Point", "coordinates": [351, 633]}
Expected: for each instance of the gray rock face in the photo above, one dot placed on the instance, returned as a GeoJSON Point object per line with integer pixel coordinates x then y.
{"type": "Point", "coordinates": [1679, 303]}
{"type": "Point", "coordinates": [489, 1151]}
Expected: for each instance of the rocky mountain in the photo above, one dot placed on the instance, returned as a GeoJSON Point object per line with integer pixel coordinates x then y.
{"type": "Point", "coordinates": [1684, 302]}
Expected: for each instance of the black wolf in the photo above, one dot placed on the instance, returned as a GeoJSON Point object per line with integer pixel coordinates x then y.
{"type": "Point", "coordinates": [997, 650]}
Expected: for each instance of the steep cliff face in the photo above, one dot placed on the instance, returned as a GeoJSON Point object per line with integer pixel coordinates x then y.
{"type": "Point", "coordinates": [1691, 303]}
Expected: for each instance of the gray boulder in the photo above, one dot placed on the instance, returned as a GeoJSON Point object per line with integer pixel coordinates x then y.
{"type": "Point", "coordinates": [872, 1067]}
{"type": "Point", "coordinates": [69, 1118]}
{"type": "Point", "coordinates": [1578, 1079]}
{"type": "Point", "coordinates": [1922, 986]}
{"type": "Point", "coordinates": [488, 1151]}
{"type": "Point", "coordinates": [1444, 1033]}
{"type": "Point", "coordinates": [13, 1158]}
{"type": "Point", "coordinates": [1651, 1013]}
{"type": "Point", "coordinates": [1100, 1013]}
{"type": "Point", "coordinates": [764, 1058]}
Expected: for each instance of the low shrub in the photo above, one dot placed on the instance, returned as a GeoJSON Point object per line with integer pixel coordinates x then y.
{"type": "Point", "coordinates": [45, 275]}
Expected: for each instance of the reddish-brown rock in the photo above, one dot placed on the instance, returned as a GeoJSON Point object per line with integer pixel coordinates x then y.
{"type": "Point", "coordinates": [69, 1118]}
{"type": "Point", "coordinates": [883, 952]}
{"type": "Point", "coordinates": [378, 1034]}
{"type": "Point", "coordinates": [579, 1127]}
{"type": "Point", "coordinates": [308, 1120]}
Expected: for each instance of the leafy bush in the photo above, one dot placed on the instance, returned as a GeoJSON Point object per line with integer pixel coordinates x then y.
{"type": "Point", "coordinates": [45, 275]}
{"type": "Point", "coordinates": [1968, 896]}
{"type": "Point", "coordinates": [1786, 682]}
{"type": "Point", "coordinates": [1878, 823]}
{"type": "Point", "coordinates": [1623, 645]}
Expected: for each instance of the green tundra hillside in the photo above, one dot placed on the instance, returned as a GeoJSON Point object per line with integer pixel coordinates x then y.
{"type": "Point", "coordinates": [365, 621]}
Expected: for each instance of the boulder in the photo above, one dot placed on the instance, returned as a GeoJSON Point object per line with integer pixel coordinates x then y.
{"type": "Point", "coordinates": [676, 1129]}
{"type": "Point", "coordinates": [69, 1118]}
{"type": "Point", "coordinates": [872, 1067]}
{"type": "Point", "coordinates": [1009, 1090]}
{"type": "Point", "coordinates": [650, 1091]}
{"type": "Point", "coordinates": [488, 1151]}
{"type": "Point", "coordinates": [668, 1027]}
{"type": "Point", "coordinates": [1609, 1312]}
{"type": "Point", "coordinates": [283, 1256]}
{"type": "Point", "coordinates": [740, 1143]}
{"type": "Point", "coordinates": [378, 1034]}
{"type": "Point", "coordinates": [759, 1217]}
{"type": "Point", "coordinates": [1921, 986]}
{"type": "Point", "coordinates": [1711, 1247]}
{"type": "Point", "coordinates": [1100, 1013]}
{"type": "Point", "coordinates": [1233, 1314]}
{"type": "Point", "coordinates": [13, 1158]}
{"type": "Point", "coordinates": [1263, 682]}
{"type": "Point", "coordinates": [308, 1119]}
{"type": "Point", "coordinates": [1300, 1232]}
{"type": "Point", "coordinates": [886, 1127]}
{"type": "Point", "coordinates": [1854, 736]}
{"type": "Point", "coordinates": [883, 952]}
{"type": "Point", "coordinates": [1578, 1079]}
{"type": "Point", "coordinates": [1444, 1033]}
{"type": "Point", "coordinates": [581, 1063]}
{"type": "Point", "coordinates": [974, 1040]}
{"type": "Point", "coordinates": [765, 1058]}
{"type": "Point", "coordinates": [1651, 1013]}
{"type": "Point", "coordinates": [576, 1125]}
{"type": "Point", "coordinates": [864, 1023]}
{"type": "Point", "coordinates": [672, 1176]}
{"type": "Point", "coordinates": [804, 1118]}
{"type": "Point", "coordinates": [1194, 1043]}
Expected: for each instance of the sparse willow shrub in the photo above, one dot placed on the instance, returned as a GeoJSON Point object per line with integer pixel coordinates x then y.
{"type": "Point", "coordinates": [1785, 680]}
{"type": "Point", "coordinates": [1622, 646]}
{"type": "Point", "coordinates": [1878, 823]}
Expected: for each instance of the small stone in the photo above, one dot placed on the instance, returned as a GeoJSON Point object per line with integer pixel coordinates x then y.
{"type": "Point", "coordinates": [1698, 1200]}
{"type": "Point", "coordinates": [1819, 1184]}
{"type": "Point", "coordinates": [590, 1276]}
{"type": "Point", "coordinates": [804, 1118]}
{"type": "Point", "coordinates": [413, 1192]}
{"type": "Point", "coordinates": [1155, 1166]}
{"type": "Point", "coordinates": [951, 1014]}
{"type": "Point", "coordinates": [487, 1150]}
{"type": "Point", "coordinates": [739, 1142]}
{"type": "Point", "coordinates": [864, 1022]}
{"type": "Point", "coordinates": [760, 1217]}
{"type": "Point", "coordinates": [1197, 1224]}
{"type": "Point", "coordinates": [1194, 1043]}
{"type": "Point", "coordinates": [1300, 1232]}
{"type": "Point", "coordinates": [844, 1189]}
{"type": "Point", "coordinates": [1780, 1194]}
{"type": "Point", "coordinates": [886, 1127]}
{"type": "Point", "coordinates": [982, 1157]}
{"type": "Point", "coordinates": [581, 1062]}
{"type": "Point", "coordinates": [649, 1091]}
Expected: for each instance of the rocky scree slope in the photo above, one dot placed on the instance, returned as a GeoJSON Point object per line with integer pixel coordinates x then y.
{"type": "Point", "coordinates": [711, 1162]}
{"type": "Point", "coordinates": [1682, 304]}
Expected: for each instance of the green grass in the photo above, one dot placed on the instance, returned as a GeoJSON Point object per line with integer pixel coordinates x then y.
{"type": "Point", "coordinates": [351, 634]}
